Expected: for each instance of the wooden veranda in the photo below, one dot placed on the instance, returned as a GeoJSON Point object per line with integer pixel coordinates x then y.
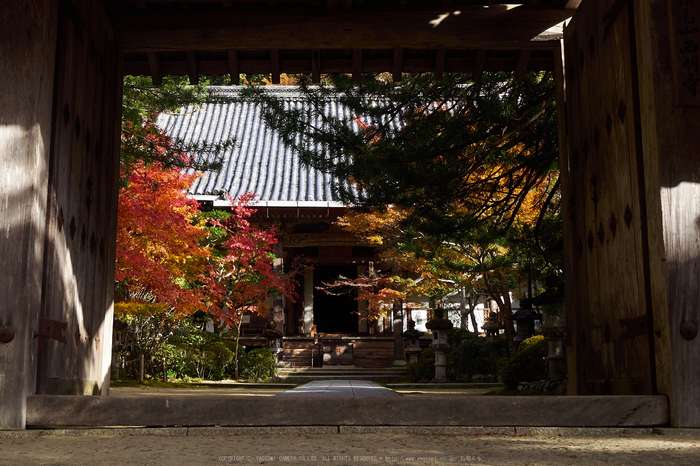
{"type": "Point", "coordinates": [628, 74]}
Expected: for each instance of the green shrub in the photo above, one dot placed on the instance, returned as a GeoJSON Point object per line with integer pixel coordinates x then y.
{"type": "Point", "coordinates": [456, 336]}
{"type": "Point", "coordinates": [529, 365]}
{"type": "Point", "coordinates": [259, 364]}
{"type": "Point", "coordinates": [424, 369]}
{"type": "Point", "coordinates": [176, 360]}
{"type": "Point", "coordinates": [472, 356]}
{"type": "Point", "coordinates": [216, 357]}
{"type": "Point", "coordinates": [230, 371]}
{"type": "Point", "coordinates": [533, 340]}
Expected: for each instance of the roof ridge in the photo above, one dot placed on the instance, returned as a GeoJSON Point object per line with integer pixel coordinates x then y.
{"type": "Point", "coordinates": [224, 91]}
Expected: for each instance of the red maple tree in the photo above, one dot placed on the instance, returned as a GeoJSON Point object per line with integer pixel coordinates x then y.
{"type": "Point", "coordinates": [245, 268]}
{"type": "Point", "coordinates": [172, 257]}
{"type": "Point", "coordinates": [159, 254]}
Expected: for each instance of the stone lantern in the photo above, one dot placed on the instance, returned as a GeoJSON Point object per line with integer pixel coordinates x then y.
{"type": "Point", "coordinates": [274, 340]}
{"type": "Point", "coordinates": [525, 318]}
{"type": "Point", "coordinates": [439, 326]}
{"type": "Point", "coordinates": [411, 343]}
{"type": "Point", "coordinates": [493, 327]}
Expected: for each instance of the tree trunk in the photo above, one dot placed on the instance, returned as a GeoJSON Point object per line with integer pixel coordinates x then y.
{"type": "Point", "coordinates": [473, 317]}
{"type": "Point", "coordinates": [467, 308]}
{"type": "Point", "coordinates": [502, 298]}
{"type": "Point", "coordinates": [463, 311]}
{"type": "Point", "coordinates": [235, 350]}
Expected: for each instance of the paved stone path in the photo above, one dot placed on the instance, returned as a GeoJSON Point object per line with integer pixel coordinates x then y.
{"type": "Point", "coordinates": [356, 388]}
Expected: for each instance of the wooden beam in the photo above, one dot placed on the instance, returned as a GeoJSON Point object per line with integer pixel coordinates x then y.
{"type": "Point", "coordinates": [521, 67]}
{"type": "Point", "coordinates": [316, 66]}
{"type": "Point", "coordinates": [439, 63]}
{"type": "Point", "coordinates": [275, 66]}
{"type": "Point", "coordinates": [234, 68]}
{"type": "Point", "coordinates": [192, 68]}
{"type": "Point", "coordinates": [339, 6]}
{"type": "Point", "coordinates": [356, 65]}
{"type": "Point", "coordinates": [496, 27]}
{"type": "Point", "coordinates": [479, 64]}
{"type": "Point", "coordinates": [320, 239]}
{"type": "Point", "coordinates": [154, 66]}
{"type": "Point", "coordinates": [339, 65]}
{"type": "Point", "coordinates": [397, 65]}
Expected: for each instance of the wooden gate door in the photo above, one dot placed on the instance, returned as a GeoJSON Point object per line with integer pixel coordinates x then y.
{"type": "Point", "coordinates": [78, 276]}
{"type": "Point", "coordinates": [611, 348]}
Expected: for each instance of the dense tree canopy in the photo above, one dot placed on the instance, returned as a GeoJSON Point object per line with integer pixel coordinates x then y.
{"type": "Point", "coordinates": [427, 145]}
{"type": "Point", "coordinates": [461, 177]}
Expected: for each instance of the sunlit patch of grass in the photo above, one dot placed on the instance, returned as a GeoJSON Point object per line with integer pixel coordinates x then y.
{"type": "Point", "coordinates": [153, 384]}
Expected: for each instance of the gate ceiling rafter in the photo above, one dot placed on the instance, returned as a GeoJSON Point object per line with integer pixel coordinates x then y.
{"type": "Point", "coordinates": [336, 36]}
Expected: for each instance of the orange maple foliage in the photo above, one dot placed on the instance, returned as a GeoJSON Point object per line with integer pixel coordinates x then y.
{"type": "Point", "coordinates": [159, 257]}
{"type": "Point", "coordinates": [474, 266]}
{"type": "Point", "coordinates": [162, 257]}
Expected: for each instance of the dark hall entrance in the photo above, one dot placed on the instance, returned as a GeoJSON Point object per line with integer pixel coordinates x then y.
{"type": "Point", "coordinates": [334, 314]}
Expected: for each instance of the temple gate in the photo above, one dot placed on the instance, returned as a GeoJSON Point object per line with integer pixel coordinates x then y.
{"type": "Point", "coordinates": [629, 136]}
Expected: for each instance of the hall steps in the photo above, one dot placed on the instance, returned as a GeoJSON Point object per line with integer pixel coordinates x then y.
{"type": "Point", "coordinates": [341, 372]}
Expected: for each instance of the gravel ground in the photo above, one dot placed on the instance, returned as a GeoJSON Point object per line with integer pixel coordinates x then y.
{"type": "Point", "coordinates": [358, 445]}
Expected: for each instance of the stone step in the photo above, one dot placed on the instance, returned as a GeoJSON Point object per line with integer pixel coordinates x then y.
{"type": "Point", "coordinates": [349, 370]}
{"type": "Point", "coordinates": [303, 375]}
{"type": "Point", "coordinates": [298, 379]}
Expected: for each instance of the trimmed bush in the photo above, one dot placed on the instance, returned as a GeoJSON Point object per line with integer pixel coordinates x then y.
{"type": "Point", "coordinates": [424, 369]}
{"type": "Point", "coordinates": [532, 341]}
{"type": "Point", "coordinates": [259, 364]}
{"type": "Point", "coordinates": [529, 365]}
{"type": "Point", "coordinates": [216, 357]}
{"type": "Point", "coordinates": [473, 356]}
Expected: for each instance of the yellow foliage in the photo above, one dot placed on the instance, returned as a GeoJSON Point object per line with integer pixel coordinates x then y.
{"type": "Point", "coordinates": [139, 309]}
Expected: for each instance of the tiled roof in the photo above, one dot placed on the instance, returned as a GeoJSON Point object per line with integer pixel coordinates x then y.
{"type": "Point", "coordinates": [259, 162]}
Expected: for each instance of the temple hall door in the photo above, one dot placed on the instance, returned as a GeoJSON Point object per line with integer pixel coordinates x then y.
{"type": "Point", "coordinates": [334, 314]}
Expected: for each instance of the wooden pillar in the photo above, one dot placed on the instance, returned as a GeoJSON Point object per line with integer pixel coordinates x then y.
{"type": "Point", "coordinates": [397, 324]}
{"type": "Point", "coordinates": [278, 300]}
{"type": "Point", "coordinates": [308, 300]}
{"type": "Point", "coordinates": [567, 209]}
{"type": "Point", "coordinates": [362, 305]}
{"type": "Point", "coordinates": [668, 62]}
{"type": "Point", "coordinates": [397, 311]}
{"type": "Point", "coordinates": [27, 54]}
